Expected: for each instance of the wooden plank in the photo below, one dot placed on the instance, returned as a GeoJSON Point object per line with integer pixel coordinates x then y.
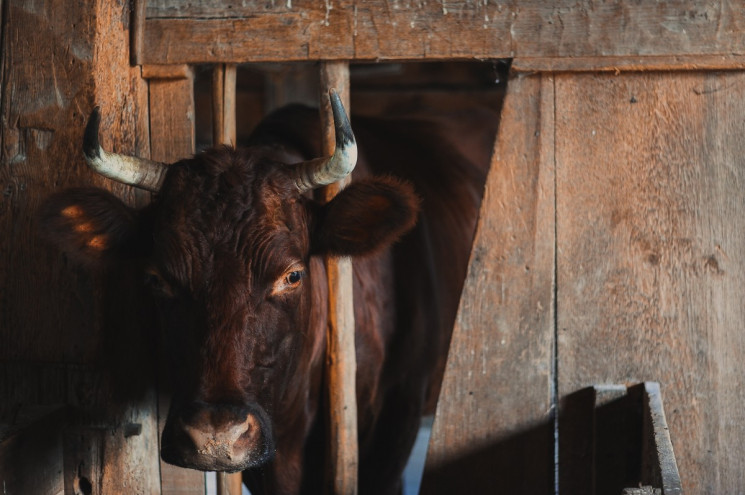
{"type": "Point", "coordinates": [223, 104]}
{"type": "Point", "coordinates": [76, 57]}
{"type": "Point", "coordinates": [229, 483]}
{"type": "Point", "coordinates": [660, 455]}
{"type": "Point", "coordinates": [167, 72]}
{"type": "Point", "coordinates": [171, 139]}
{"type": "Point", "coordinates": [341, 361]}
{"type": "Point", "coordinates": [138, 31]}
{"type": "Point", "coordinates": [193, 32]}
{"type": "Point", "coordinates": [494, 415]}
{"type": "Point", "coordinates": [41, 131]}
{"type": "Point", "coordinates": [651, 260]}
{"type": "Point", "coordinates": [172, 117]}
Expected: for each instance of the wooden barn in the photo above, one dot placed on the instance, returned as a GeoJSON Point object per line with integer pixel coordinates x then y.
{"type": "Point", "coordinates": [606, 275]}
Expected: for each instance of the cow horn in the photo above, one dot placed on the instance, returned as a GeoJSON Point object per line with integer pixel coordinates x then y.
{"type": "Point", "coordinates": [324, 171]}
{"type": "Point", "coordinates": [138, 172]}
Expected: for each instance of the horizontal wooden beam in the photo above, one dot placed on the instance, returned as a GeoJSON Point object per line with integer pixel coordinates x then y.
{"type": "Point", "coordinates": [377, 30]}
{"type": "Point", "coordinates": [629, 63]}
{"type": "Point", "coordinates": [176, 71]}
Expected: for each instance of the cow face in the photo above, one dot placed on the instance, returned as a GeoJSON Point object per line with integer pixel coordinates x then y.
{"type": "Point", "coordinates": [226, 251]}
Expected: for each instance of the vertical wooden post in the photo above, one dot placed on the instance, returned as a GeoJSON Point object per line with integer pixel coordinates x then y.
{"type": "Point", "coordinates": [224, 132]}
{"type": "Point", "coordinates": [341, 363]}
{"type": "Point", "coordinates": [137, 33]}
{"type": "Point", "coordinates": [223, 104]}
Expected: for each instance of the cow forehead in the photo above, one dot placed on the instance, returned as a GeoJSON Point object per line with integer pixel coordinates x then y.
{"type": "Point", "coordinates": [229, 204]}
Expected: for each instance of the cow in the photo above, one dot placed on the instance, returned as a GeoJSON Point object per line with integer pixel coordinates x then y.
{"type": "Point", "coordinates": [231, 251]}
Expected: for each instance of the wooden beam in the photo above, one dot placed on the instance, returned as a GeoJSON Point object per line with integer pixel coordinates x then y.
{"type": "Point", "coordinates": [223, 104]}
{"type": "Point", "coordinates": [341, 363]}
{"type": "Point", "coordinates": [137, 33]}
{"type": "Point", "coordinates": [229, 483]}
{"type": "Point", "coordinates": [198, 32]}
{"type": "Point", "coordinates": [58, 60]}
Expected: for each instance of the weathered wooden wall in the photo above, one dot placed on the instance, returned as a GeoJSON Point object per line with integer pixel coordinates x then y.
{"type": "Point", "coordinates": [651, 240]}
{"type": "Point", "coordinates": [609, 247]}
{"type": "Point", "coordinates": [611, 244]}
{"type": "Point", "coordinates": [181, 31]}
{"type": "Point", "coordinates": [58, 59]}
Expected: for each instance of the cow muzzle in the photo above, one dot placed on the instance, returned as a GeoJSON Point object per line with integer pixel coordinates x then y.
{"type": "Point", "coordinates": [217, 437]}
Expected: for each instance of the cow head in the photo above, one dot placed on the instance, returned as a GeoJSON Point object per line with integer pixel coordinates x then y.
{"type": "Point", "coordinates": [226, 246]}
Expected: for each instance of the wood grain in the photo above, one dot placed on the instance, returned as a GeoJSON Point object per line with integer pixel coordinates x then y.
{"type": "Point", "coordinates": [650, 216]}
{"type": "Point", "coordinates": [194, 32]}
{"type": "Point", "coordinates": [52, 320]}
{"type": "Point", "coordinates": [494, 414]}
{"type": "Point", "coordinates": [137, 38]}
{"type": "Point", "coordinates": [223, 104]}
{"type": "Point", "coordinates": [172, 117]}
{"type": "Point", "coordinates": [341, 361]}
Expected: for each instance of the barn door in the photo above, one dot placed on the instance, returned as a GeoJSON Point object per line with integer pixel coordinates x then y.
{"type": "Point", "coordinates": [609, 250]}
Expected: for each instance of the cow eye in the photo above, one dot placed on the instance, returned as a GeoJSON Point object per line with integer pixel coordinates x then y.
{"type": "Point", "coordinates": [289, 281]}
{"type": "Point", "coordinates": [156, 284]}
{"type": "Point", "coordinates": [295, 277]}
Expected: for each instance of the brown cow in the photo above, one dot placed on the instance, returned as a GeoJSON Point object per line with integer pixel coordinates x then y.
{"type": "Point", "coordinates": [231, 249]}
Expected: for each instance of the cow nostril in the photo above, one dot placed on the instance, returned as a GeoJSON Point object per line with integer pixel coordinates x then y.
{"type": "Point", "coordinates": [229, 441]}
{"type": "Point", "coordinates": [235, 432]}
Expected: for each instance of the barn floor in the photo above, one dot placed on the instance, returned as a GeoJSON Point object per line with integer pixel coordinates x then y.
{"type": "Point", "coordinates": [412, 473]}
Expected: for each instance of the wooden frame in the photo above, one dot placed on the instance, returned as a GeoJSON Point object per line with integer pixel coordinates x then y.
{"type": "Point", "coordinates": [548, 35]}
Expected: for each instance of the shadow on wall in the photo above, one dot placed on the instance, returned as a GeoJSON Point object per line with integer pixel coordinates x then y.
{"type": "Point", "coordinates": [522, 463]}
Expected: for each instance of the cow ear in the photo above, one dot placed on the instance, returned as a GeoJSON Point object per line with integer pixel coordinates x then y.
{"type": "Point", "coordinates": [365, 217]}
{"type": "Point", "coordinates": [89, 225]}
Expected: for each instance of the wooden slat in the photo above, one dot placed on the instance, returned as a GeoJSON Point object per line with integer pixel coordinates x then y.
{"type": "Point", "coordinates": [172, 117]}
{"type": "Point", "coordinates": [341, 361]}
{"type": "Point", "coordinates": [51, 80]}
{"type": "Point", "coordinates": [665, 471]}
{"type": "Point", "coordinates": [171, 139]}
{"type": "Point", "coordinates": [651, 256]}
{"type": "Point", "coordinates": [229, 483]}
{"type": "Point", "coordinates": [223, 104]}
{"type": "Point", "coordinates": [137, 33]}
{"type": "Point", "coordinates": [493, 430]}
{"type": "Point", "coordinates": [190, 32]}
